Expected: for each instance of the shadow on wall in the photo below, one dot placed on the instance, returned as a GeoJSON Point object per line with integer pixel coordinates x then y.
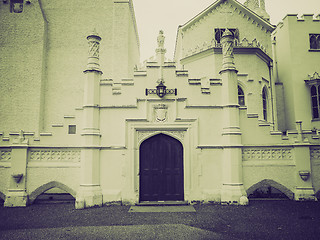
{"type": "Point", "coordinates": [52, 192]}
{"type": "Point", "coordinates": [54, 195]}
{"type": "Point", "coordinates": [318, 195]}
{"type": "Point", "coordinates": [267, 192]}
{"type": "Point", "coordinates": [2, 198]}
{"type": "Point", "coordinates": [269, 189]}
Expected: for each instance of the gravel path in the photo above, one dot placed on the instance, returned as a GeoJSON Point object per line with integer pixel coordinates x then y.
{"type": "Point", "coordinates": [259, 220]}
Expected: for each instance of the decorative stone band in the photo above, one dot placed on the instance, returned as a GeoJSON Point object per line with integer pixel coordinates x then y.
{"type": "Point", "coordinates": [142, 135]}
{"type": "Point", "coordinates": [315, 153]}
{"type": "Point", "coordinates": [267, 153]}
{"type": "Point", "coordinates": [55, 155]}
{"type": "Point", "coordinates": [5, 155]}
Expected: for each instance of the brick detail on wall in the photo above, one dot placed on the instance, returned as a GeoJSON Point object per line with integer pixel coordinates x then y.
{"type": "Point", "coordinates": [315, 153]}
{"type": "Point", "coordinates": [54, 155]}
{"type": "Point", "coordinates": [267, 153]}
{"type": "Point", "coordinates": [5, 155]}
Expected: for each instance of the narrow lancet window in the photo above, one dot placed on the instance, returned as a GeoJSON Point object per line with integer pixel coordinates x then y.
{"type": "Point", "coordinates": [241, 100]}
{"type": "Point", "coordinates": [315, 97]}
{"type": "Point", "coordinates": [265, 104]}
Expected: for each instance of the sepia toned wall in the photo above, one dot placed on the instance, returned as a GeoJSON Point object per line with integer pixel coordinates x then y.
{"type": "Point", "coordinates": [113, 115]}
{"type": "Point", "coordinates": [44, 53]}
{"type": "Point", "coordinates": [22, 67]}
{"type": "Point", "coordinates": [294, 63]}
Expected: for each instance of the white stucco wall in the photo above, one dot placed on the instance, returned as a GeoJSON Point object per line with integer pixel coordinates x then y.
{"type": "Point", "coordinates": [294, 63]}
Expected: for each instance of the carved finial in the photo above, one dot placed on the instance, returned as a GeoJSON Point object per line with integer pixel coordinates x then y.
{"type": "Point", "coordinates": [21, 139]}
{"type": "Point", "coordinates": [259, 7]}
{"type": "Point", "coordinates": [93, 52]}
{"type": "Point", "coordinates": [160, 50]}
{"type": "Point", "coordinates": [252, 4]}
{"type": "Point", "coordinates": [21, 134]}
{"type": "Point", "coordinates": [315, 76]}
{"type": "Point", "coordinates": [161, 39]}
{"type": "Point", "coordinates": [227, 41]}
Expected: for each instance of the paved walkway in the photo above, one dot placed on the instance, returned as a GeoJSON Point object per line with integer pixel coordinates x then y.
{"type": "Point", "coordinates": [259, 220]}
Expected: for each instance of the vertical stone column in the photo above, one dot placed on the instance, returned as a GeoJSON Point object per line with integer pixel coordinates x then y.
{"type": "Point", "coordinates": [232, 186]}
{"type": "Point", "coordinates": [16, 195]}
{"type": "Point", "coordinates": [89, 193]}
{"type": "Point", "coordinates": [304, 189]}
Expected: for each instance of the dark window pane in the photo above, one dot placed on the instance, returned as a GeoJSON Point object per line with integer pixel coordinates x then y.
{"type": "Point", "coordinates": [241, 100]}
{"type": "Point", "coordinates": [264, 104]}
{"type": "Point", "coordinates": [72, 129]}
{"type": "Point", "coordinates": [313, 41]}
{"type": "Point", "coordinates": [240, 91]}
{"type": "Point", "coordinates": [265, 115]}
{"type": "Point", "coordinates": [315, 113]}
{"type": "Point", "coordinates": [217, 34]}
{"type": "Point", "coordinates": [314, 101]}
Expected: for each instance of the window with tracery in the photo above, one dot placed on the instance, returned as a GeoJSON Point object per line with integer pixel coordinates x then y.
{"type": "Point", "coordinates": [314, 41]}
{"type": "Point", "coordinates": [315, 99]}
{"type": "Point", "coordinates": [241, 100]}
{"type": "Point", "coordinates": [265, 104]}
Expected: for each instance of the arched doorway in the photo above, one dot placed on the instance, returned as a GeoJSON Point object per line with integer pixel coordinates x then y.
{"type": "Point", "coordinates": [161, 169]}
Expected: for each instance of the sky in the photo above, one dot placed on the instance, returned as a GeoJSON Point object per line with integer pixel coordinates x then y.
{"type": "Point", "coordinates": [167, 15]}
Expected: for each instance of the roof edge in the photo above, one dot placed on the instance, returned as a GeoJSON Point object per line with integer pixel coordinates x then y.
{"type": "Point", "coordinates": [267, 24]}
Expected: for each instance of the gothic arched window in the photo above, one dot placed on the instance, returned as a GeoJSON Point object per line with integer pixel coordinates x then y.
{"type": "Point", "coordinates": [265, 104]}
{"type": "Point", "coordinates": [315, 99]}
{"type": "Point", "coordinates": [241, 100]}
{"type": "Point", "coordinates": [314, 41]}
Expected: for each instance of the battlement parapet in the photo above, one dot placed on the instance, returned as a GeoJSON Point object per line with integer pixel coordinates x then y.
{"type": "Point", "coordinates": [302, 18]}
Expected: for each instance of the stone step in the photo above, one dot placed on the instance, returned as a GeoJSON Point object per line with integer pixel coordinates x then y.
{"type": "Point", "coordinates": [161, 203]}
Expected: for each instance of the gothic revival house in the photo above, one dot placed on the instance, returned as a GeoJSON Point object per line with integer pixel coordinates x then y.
{"type": "Point", "coordinates": [237, 110]}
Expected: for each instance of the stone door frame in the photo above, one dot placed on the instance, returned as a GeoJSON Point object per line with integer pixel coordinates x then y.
{"type": "Point", "coordinates": [136, 134]}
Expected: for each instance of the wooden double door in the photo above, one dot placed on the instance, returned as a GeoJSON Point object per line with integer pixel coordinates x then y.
{"type": "Point", "coordinates": [161, 169]}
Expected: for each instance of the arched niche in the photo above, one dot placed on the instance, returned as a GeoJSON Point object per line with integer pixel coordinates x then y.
{"type": "Point", "coordinates": [47, 186]}
{"type": "Point", "coordinates": [266, 183]}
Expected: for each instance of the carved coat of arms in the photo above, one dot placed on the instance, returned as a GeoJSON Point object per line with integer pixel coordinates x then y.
{"type": "Point", "coordinates": [161, 112]}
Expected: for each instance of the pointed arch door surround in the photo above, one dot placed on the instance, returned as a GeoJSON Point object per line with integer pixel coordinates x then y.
{"type": "Point", "coordinates": [161, 175]}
